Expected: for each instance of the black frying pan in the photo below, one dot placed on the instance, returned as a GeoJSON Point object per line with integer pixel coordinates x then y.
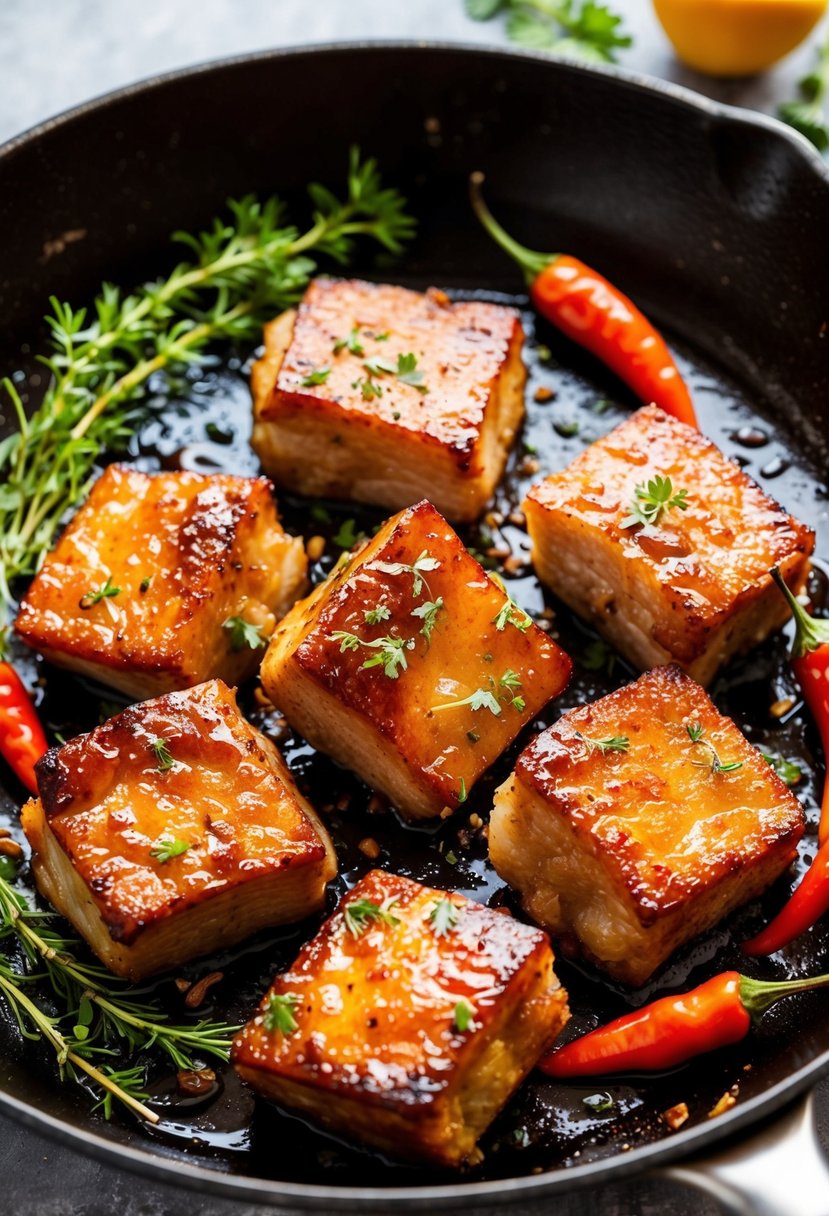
{"type": "Point", "coordinates": [716, 222]}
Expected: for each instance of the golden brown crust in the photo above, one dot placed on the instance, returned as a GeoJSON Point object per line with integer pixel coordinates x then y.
{"type": "Point", "coordinates": [377, 1047]}
{"type": "Point", "coordinates": [449, 443]}
{"type": "Point", "coordinates": [402, 717]}
{"type": "Point", "coordinates": [186, 552]}
{"type": "Point", "coordinates": [693, 588]}
{"type": "Point", "coordinates": [222, 790]}
{"type": "Point", "coordinates": [669, 842]}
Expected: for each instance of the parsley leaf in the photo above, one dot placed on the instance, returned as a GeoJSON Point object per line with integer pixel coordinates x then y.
{"type": "Point", "coordinates": [351, 343]}
{"type": "Point", "coordinates": [511, 614]}
{"type": "Point", "coordinates": [407, 372]}
{"type": "Point", "coordinates": [652, 500]}
{"type": "Point", "coordinates": [163, 757]}
{"type": "Point", "coordinates": [464, 1013]}
{"type": "Point", "coordinates": [391, 654]}
{"type": "Point", "coordinates": [788, 772]}
{"type": "Point", "coordinates": [348, 536]}
{"type": "Point", "coordinates": [243, 633]}
{"type": "Point", "coordinates": [279, 1013]}
{"type": "Point", "coordinates": [106, 591]}
{"type": "Point", "coordinates": [368, 387]}
{"type": "Point", "coordinates": [581, 29]}
{"type": "Point", "coordinates": [428, 612]}
{"type": "Point", "coordinates": [443, 917]}
{"type": "Point", "coordinates": [360, 913]}
{"type": "Point", "coordinates": [168, 847]}
{"type": "Point", "coordinates": [481, 698]}
{"type": "Point", "coordinates": [319, 375]}
{"type": "Point", "coordinates": [348, 641]}
{"type": "Point", "coordinates": [422, 563]}
{"type": "Point", "coordinates": [375, 615]}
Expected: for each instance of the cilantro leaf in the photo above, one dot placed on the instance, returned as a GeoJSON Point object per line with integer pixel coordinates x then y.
{"type": "Point", "coordinates": [243, 633]}
{"type": "Point", "coordinates": [373, 616]}
{"type": "Point", "coordinates": [652, 500]}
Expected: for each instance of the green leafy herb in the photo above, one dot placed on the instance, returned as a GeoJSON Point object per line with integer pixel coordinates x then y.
{"type": "Point", "coordinates": [319, 514]}
{"type": "Point", "coordinates": [163, 757]}
{"type": "Point", "coordinates": [443, 917]}
{"type": "Point", "coordinates": [462, 794]}
{"type": "Point", "coordinates": [809, 115]}
{"type": "Point", "coordinates": [652, 500]}
{"type": "Point", "coordinates": [428, 612]}
{"type": "Point", "coordinates": [352, 343]}
{"type": "Point", "coordinates": [374, 615]}
{"type": "Point", "coordinates": [391, 655]}
{"type": "Point", "coordinates": [379, 367]}
{"type": "Point", "coordinates": [167, 847]}
{"type": "Point", "coordinates": [511, 614]}
{"type": "Point", "coordinates": [599, 1103]}
{"type": "Point", "coordinates": [407, 372]}
{"type": "Point", "coordinates": [598, 656]}
{"type": "Point", "coordinates": [360, 913]}
{"type": "Point", "coordinates": [319, 375]}
{"type": "Point", "coordinates": [106, 591]}
{"type": "Point", "coordinates": [464, 1013]}
{"type": "Point", "coordinates": [715, 764]}
{"type": "Point", "coordinates": [384, 337]}
{"type": "Point", "coordinates": [348, 536]}
{"type": "Point", "coordinates": [368, 387]}
{"type": "Point", "coordinates": [614, 743]}
{"type": "Point", "coordinates": [422, 563]}
{"type": "Point", "coordinates": [243, 633]}
{"type": "Point", "coordinates": [279, 1013]}
{"type": "Point", "coordinates": [576, 29]}
{"type": "Point", "coordinates": [108, 1017]}
{"type": "Point", "coordinates": [481, 698]}
{"type": "Point", "coordinates": [788, 772]}
{"type": "Point", "coordinates": [240, 272]}
{"type": "Point", "coordinates": [348, 641]}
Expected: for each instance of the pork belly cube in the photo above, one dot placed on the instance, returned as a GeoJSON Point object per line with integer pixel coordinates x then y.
{"type": "Point", "coordinates": [162, 581]}
{"type": "Point", "coordinates": [692, 587]}
{"type": "Point", "coordinates": [638, 822]}
{"type": "Point", "coordinates": [411, 667]}
{"type": "Point", "coordinates": [407, 1022]}
{"type": "Point", "coordinates": [397, 395]}
{"type": "Point", "coordinates": [174, 830]}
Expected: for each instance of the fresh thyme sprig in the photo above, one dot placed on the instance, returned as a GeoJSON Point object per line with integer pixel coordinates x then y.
{"type": "Point", "coordinates": [715, 764]}
{"type": "Point", "coordinates": [240, 271]}
{"type": "Point", "coordinates": [576, 29]}
{"type": "Point", "coordinates": [613, 743]}
{"type": "Point", "coordinates": [99, 1008]}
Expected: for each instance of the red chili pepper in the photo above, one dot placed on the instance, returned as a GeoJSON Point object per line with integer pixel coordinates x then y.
{"type": "Point", "coordinates": [22, 741]}
{"type": "Point", "coordinates": [807, 905]}
{"type": "Point", "coordinates": [674, 1029]}
{"type": "Point", "coordinates": [591, 311]}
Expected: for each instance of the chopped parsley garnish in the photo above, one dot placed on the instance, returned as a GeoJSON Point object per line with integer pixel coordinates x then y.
{"type": "Point", "coordinates": [715, 764]}
{"type": "Point", "coordinates": [788, 772]}
{"type": "Point", "coordinates": [429, 612]}
{"type": "Point", "coordinates": [614, 743]}
{"type": "Point", "coordinates": [443, 917]}
{"type": "Point", "coordinates": [375, 615]}
{"type": "Point", "coordinates": [352, 343]}
{"type": "Point", "coordinates": [652, 499]}
{"type": "Point", "coordinates": [105, 592]}
{"type": "Point", "coordinates": [348, 536]}
{"type": "Point", "coordinates": [279, 1013]}
{"type": "Point", "coordinates": [407, 372]}
{"type": "Point", "coordinates": [163, 757]}
{"type": "Point", "coordinates": [464, 1013]}
{"type": "Point", "coordinates": [168, 847]}
{"type": "Point", "coordinates": [368, 387]}
{"type": "Point", "coordinates": [379, 367]}
{"type": "Point", "coordinates": [319, 375]}
{"type": "Point", "coordinates": [421, 563]}
{"type": "Point", "coordinates": [359, 914]}
{"type": "Point", "coordinates": [491, 696]}
{"type": "Point", "coordinates": [391, 651]}
{"type": "Point", "coordinates": [511, 614]}
{"type": "Point", "coordinates": [243, 633]}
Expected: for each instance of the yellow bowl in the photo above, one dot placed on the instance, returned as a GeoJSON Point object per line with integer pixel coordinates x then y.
{"type": "Point", "coordinates": [736, 37]}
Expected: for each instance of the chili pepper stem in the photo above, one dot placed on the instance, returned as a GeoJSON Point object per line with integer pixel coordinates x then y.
{"type": "Point", "coordinates": [759, 995]}
{"type": "Point", "coordinates": [530, 260]}
{"type": "Point", "coordinates": [810, 633]}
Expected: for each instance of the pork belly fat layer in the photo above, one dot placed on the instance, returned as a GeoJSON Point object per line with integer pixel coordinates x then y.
{"type": "Point", "coordinates": [410, 1031]}
{"type": "Point", "coordinates": [353, 670]}
{"type": "Point", "coordinates": [691, 588]}
{"type": "Point", "coordinates": [627, 853]}
{"type": "Point", "coordinates": [442, 431]}
{"type": "Point", "coordinates": [138, 587]}
{"type": "Point", "coordinates": [174, 830]}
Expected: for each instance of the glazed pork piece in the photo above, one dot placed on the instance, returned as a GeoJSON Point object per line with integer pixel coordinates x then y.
{"type": "Point", "coordinates": [692, 586]}
{"type": "Point", "coordinates": [382, 395]}
{"type": "Point", "coordinates": [407, 1022]}
{"type": "Point", "coordinates": [163, 581]}
{"type": "Point", "coordinates": [172, 831]}
{"type": "Point", "coordinates": [411, 667]}
{"type": "Point", "coordinates": [639, 821]}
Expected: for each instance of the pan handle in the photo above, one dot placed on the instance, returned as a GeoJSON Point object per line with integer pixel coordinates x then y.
{"type": "Point", "coordinates": [780, 1170]}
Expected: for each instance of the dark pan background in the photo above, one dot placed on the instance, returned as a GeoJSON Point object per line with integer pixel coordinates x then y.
{"type": "Point", "coordinates": [704, 205]}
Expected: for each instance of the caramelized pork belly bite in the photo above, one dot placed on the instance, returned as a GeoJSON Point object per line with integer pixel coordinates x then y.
{"type": "Point", "coordinates": [172, 831]}
{"type": "Point", "coordinates": [162, 581]}
{"type": "Point", "coordinates": [693, 586]}
{"type": "Point", "coordinates": [411, 667]}
{"type": "Point", "coordinates": [407, 1022]}
{"type": "Point", "coordinates": [637, 822]}
{"type": "Point", "coordinates": [382, 395]}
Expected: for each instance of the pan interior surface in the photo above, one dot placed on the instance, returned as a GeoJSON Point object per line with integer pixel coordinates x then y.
{"type": "Point", "coordinates": [694, 222]}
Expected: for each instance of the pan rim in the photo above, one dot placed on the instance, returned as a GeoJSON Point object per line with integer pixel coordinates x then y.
{"type": "Point", "coordinates": [179, 1172]}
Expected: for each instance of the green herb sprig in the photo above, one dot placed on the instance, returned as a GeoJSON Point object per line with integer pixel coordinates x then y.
{"type": "Point", "coordinates": [715, 764]}
{"type": "Point", "coordinates": [810, 114]}
{"type": "Point", "coordinates": [574, 29]}
{"type": "Point", "coordinates": [361, 913]}
{"type": "Point", "coordinates": [239, 272]}
{"type": "Point", "coordinates": [652, 500]}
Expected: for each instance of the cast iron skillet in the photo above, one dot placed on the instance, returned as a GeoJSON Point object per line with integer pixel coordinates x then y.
{"type": "Point", "coordinates": [715, 221]}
